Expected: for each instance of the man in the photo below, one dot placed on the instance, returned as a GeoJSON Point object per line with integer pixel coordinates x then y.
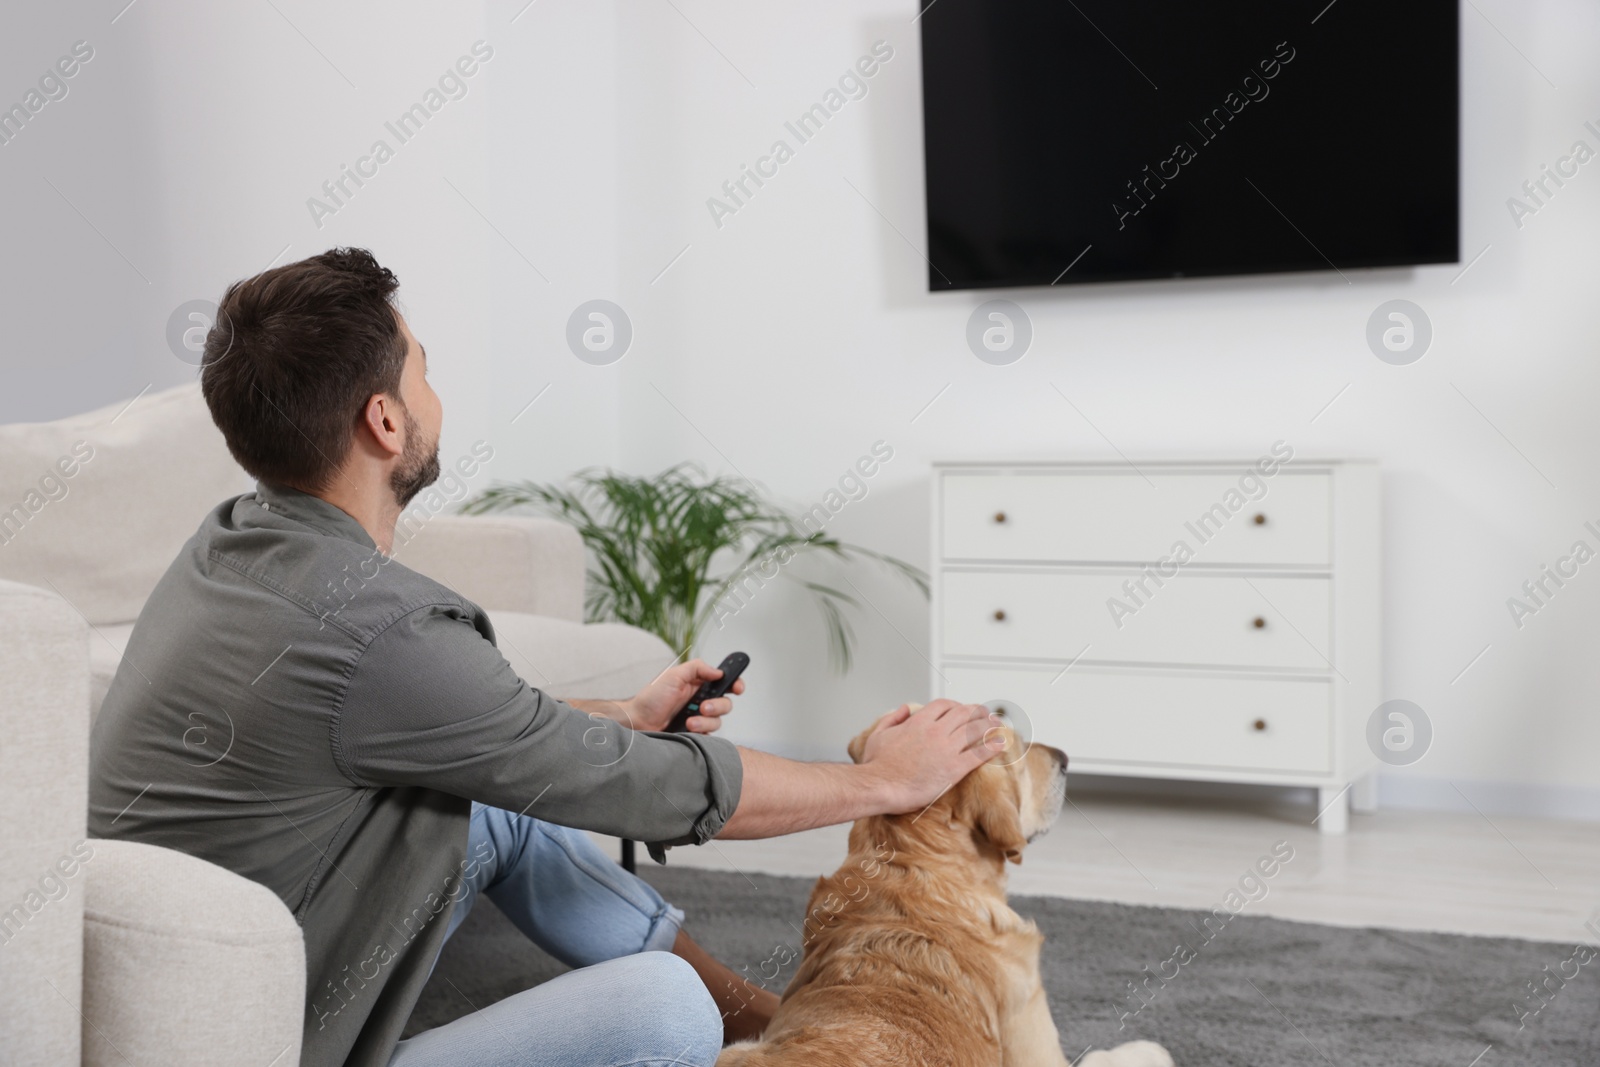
{"type": "Point", "coordinates": [385, 765]}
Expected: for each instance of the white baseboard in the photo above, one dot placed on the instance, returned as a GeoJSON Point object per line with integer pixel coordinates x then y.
{"type": "Point", "coordinates": [1117, 785]}
{"type": "Point", "coordinates": [1522, 799]}
{"type": "Point", "coordinates": [1395, 792]}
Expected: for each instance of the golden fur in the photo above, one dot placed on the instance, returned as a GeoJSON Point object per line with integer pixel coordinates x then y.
{"type": "Point", "coordinates": [912, 956]}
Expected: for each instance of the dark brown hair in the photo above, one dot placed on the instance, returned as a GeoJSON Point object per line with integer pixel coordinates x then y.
{"type": "Point", "coordinates": [295, 354]}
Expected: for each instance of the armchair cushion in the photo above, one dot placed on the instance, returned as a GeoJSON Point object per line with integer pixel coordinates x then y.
{"type": "Point", "coordinates": [186, 964]}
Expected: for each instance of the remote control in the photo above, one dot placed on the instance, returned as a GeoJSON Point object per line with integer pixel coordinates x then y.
{"type": "Point", "coordinates": [731, 668]}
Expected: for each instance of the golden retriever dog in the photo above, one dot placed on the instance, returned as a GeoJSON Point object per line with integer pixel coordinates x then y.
{"type": "Point", "coordinates": [912, 957]}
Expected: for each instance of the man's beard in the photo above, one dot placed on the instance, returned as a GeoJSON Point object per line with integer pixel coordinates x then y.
{"type": "Point", "coordinates": [419, 467]}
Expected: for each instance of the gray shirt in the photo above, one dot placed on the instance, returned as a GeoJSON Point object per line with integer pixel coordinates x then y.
{"type": "Point", "coordinates": [302, 710]}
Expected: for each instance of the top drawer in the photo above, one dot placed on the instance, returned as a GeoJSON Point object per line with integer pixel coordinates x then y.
{"type": "Point", "coordinates": [1117, 517]}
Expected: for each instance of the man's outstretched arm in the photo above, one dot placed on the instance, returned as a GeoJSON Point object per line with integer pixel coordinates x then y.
{"type": "Point", "coordinates": [909, 760]}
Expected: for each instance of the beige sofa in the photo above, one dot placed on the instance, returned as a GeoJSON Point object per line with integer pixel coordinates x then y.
{"type": "Point", "coordinates": [116, 953]}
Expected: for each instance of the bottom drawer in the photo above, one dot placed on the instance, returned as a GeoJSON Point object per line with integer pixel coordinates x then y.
{"type": "Point", "coordinates": [1168, 719]}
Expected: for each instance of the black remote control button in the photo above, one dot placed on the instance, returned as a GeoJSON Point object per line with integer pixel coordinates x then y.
{"type": "Point", "coordinates": [731, 668]}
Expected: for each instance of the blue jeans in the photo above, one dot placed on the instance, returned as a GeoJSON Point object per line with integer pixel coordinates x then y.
{"type": "Point", "coordinates": [629, 1002]}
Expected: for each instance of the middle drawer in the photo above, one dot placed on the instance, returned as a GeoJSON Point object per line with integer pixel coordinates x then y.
{"type": "Point", "coordinates": [1195, 618]}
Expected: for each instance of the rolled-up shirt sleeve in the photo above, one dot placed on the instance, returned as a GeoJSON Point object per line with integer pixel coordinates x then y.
{"type": "Point", "coordinates": [431, 702]}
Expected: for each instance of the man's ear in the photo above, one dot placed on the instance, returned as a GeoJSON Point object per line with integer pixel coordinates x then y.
{"type": "Point", "coordinates": [383, 419]}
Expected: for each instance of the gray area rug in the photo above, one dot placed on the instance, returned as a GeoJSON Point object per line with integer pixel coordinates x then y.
{"type": "Point", "coordinates": [1261, 993]}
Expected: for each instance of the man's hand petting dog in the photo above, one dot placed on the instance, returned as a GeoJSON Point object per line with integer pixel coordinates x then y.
{"type": "Point", "coordinates": [920, 754]}
{"type": "Point", "coordinates": [653, 707]}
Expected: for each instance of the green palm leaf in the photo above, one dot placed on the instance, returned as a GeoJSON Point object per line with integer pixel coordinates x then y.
{"type": "Point", "coordinates": [653, 543]}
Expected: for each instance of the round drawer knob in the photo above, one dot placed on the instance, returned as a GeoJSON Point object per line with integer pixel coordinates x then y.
{"type": "Point", "coordinates": [1259, 724]}
{"type": "Point", "coordinates": [999, 516]}
{"type": "Point", "coordinates": [1260, 519]}
{"type": "Point", "coordinates": [999, 615]}
{"type": "Point", "coordinates": [1258, 622]}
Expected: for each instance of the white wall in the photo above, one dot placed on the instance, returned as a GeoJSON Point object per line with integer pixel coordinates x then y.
{"type": "Point", "coordinates": [800, 332]}
{"type": "Point", "coordinates": [194, 138]}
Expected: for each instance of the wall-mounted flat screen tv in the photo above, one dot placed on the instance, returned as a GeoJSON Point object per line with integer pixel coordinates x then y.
{"type": "Point", "coordinates": [1072, 141]}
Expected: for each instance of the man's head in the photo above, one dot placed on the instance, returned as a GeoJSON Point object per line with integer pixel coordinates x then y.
{"type": "Point", "coordinates": [313, 376]}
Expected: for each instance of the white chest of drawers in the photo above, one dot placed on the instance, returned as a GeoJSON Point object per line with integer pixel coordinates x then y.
{"type": "Point", "coordinates": [1208, 620]}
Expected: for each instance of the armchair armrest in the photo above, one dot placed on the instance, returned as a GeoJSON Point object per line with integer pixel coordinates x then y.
{"type": "Point", "coordinates": [186, 964]}
{"type": "Point", "coordinates": [501, 562]}
{"type": "Point", "coordinates": [44, 761]}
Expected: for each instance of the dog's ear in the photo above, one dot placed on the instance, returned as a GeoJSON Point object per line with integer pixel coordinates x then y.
{"type": "Point", "coordinates": [858, 744]}
{"type": "Point", "coordinates": [990, 803]}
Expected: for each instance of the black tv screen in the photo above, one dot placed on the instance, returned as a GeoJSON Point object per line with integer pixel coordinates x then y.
{"type": "Point", "coordinates": [1072, 141]}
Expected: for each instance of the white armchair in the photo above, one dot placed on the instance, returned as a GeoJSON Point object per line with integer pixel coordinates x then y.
{"type": "Point", "coordinates": [44, 746]}
{"type": "Point", "coordinates": [113, 952]}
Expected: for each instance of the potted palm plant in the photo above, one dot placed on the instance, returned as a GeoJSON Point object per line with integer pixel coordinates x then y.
{"type": "Point", "coordinates": [674, 552]}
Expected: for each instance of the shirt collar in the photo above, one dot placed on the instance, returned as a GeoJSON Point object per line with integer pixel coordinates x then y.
{"type": "Point", "coordinates": [311, 511]}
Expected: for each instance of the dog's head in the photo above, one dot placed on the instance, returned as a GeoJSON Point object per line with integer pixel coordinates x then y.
{"type": "Point", "coordinates": [1008, 801]}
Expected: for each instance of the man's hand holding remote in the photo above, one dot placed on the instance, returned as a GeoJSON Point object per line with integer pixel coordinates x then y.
{"type": "Point", "coordinates": [653, 707]}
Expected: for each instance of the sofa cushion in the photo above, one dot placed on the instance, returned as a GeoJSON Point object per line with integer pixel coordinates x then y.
{"type": "Point", "coordinates": [597, 661]}
{"type": "Point", "coordinates": [97, 505]}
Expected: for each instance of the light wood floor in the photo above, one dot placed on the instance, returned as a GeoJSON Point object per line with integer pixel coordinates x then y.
{"type": "Point", "coordinates": [1408, 870]}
